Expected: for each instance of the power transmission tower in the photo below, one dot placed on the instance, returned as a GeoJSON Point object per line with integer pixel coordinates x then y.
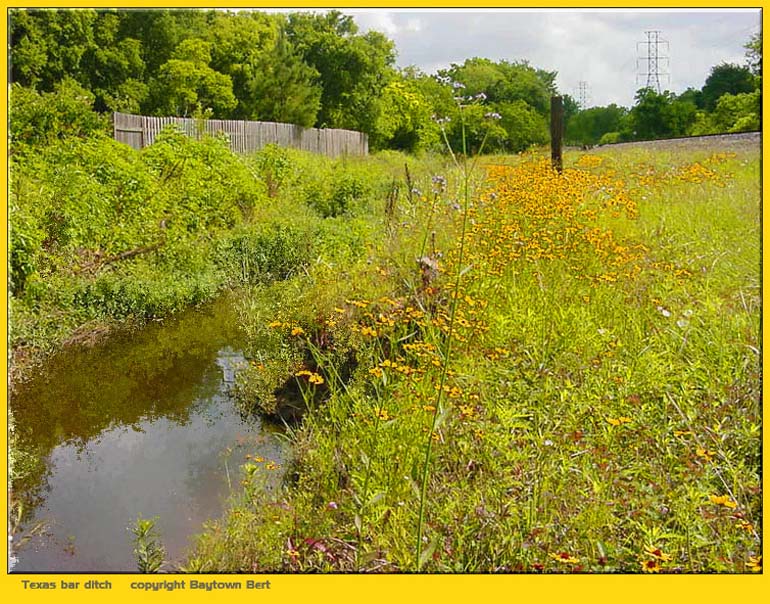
{"type": "Point", "coordinates": [657, 61]}
{"type": "Point", "coordinates": [582, 94]}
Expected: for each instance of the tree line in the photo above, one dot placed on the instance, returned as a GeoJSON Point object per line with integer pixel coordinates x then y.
{"type": "Point", "coordinates": [316, 69]}
{"type": "Point", "coordinates": [729, 101]}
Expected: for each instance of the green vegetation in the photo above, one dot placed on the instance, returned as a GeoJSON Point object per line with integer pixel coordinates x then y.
{"type": "Point", "coordinates": [317, 69]}
{"type": "Point", "coordinates": [729, 101]}
{"type": "Point", "coordinates": [485, 366]}
{"type": "Point", "coordinates": [148, 550]}
{"type": "Point", "coordinates": [102, 234]}
{"type": "Point", "coordinates": [599, 408]}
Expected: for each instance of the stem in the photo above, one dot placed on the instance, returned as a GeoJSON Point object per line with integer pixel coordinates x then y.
{"type": "Point", "coordinates": [447, 352]}
{"type": "Point", "coordinates": [428, 224]}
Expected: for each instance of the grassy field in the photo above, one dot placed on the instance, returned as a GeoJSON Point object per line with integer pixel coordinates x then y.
{"type": "Point", "coordinates": [498, 368]}
{"type": "Point", "coordinates": [516, 371]}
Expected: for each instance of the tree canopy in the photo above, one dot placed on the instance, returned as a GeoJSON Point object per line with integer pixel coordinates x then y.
{"type": "Point", "coordinates": [318, 69]}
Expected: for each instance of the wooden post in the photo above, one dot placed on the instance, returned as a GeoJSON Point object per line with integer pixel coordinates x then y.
{"type": "Point", "coordinates": [557, 130]}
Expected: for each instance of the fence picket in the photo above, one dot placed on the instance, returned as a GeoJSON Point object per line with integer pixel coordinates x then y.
{"type": "Point", "coordinates": [139, 131]}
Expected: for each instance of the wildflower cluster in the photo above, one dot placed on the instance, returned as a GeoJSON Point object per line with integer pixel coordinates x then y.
{"type": "Point", "coordinates": [646, 177]}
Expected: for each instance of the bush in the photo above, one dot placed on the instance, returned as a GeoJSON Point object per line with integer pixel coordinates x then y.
{"type": "Point", "coordinates": [41, 118]}
{"type": "Point", "coordinates": [610, 138]}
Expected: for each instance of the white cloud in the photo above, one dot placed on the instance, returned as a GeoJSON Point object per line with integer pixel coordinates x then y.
{"type": "Point", "coordinates": [598, 47]}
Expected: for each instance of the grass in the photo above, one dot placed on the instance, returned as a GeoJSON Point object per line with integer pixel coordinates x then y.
{"type": "Point", "coordinates": [500, 370]}
{"type": "Point", "coordinates": [599, 411]}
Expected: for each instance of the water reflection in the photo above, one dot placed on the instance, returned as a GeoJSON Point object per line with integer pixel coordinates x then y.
{"type": "Point", "coordinates": [140, 426]}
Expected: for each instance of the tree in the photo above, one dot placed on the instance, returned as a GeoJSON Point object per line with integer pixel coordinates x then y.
{"type": "Point", "coordinates": [504, 82]}
{"type": "Point", "coordinates": [754, 53]}
{"type": "Point", "coordinates": [405, 120]}
{"type": "Point", "coordinates": [523, 126]}
{"type": "Point", "coordinates": [282, 88]}
{"type": "Point", "coordinates": [353, 69]}
{"type": "Point", "coordinates": [692, 95]}
{"type": "Point", "coordinates": [49, 45]}
{"type": "Point", "coordinates": [726, 78]}
{"type": "Point", "coordinates": [160, 31]}
{"type": "Point", "coordinates": [733, 113]}
{"type": "Point", "coordinates": [647, 119]}
{"type": "Point", "coordinates": [114, 67]}
{"type": "Point", "coordinates": [239, 43]}
{"type": "Point", "coordinates": [588, 126]}
{"type": "Point", "coordinates": [186, 83]}
{"type": "Point", "coordinates": [40, 118]}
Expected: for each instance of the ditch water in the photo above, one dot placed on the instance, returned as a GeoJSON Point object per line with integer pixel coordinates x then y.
{"type": "Point", "coordinates": [142, 425]}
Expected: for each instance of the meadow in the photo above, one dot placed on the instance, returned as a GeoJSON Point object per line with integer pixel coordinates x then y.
{"type": "Point", "coordinates": [507, 369]}
{"type": "Point", "coordinates": [483, 365]}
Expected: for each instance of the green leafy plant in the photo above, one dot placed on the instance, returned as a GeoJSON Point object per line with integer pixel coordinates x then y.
{"type": "Point", "coordinates": [149, 553]}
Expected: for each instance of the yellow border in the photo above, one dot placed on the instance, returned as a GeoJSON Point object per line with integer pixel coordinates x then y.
{"type": "Point", "coordinates": [572, 589]}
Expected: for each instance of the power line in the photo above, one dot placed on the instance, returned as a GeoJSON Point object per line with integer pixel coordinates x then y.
{"type": "Point", "coordinates": [657, 62]}
{"type": "Point", "coordinates": [582, 94]}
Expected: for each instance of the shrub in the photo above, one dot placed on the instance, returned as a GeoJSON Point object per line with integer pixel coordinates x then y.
{"type": "Point", "coordinates": [41, 118]}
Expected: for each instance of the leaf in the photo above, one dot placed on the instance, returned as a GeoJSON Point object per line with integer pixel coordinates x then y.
{"type": "Point", "coordinates": [376, 497]}
{"type": "Point", "coordinates": [443, 414]}
{"type": "Point", "coordinates": [415, 487]}
{"type": "Point", "coordinates": [357, 523]}
{"type": "Point", "coordinates": [427, 552]}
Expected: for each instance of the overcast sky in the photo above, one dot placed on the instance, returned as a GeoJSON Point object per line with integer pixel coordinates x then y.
{"type": "Point", "coordinates": [597, 47]}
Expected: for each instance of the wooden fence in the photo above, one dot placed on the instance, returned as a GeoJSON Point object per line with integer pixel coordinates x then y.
{"type": "Point", "coordinates": [138, 131]}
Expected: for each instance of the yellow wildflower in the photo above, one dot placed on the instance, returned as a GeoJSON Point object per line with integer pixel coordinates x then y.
{"type": "Point", "coordinates": [619, 421]}
{"type": "Point", "coordinates": [651, 566]}
{"type": "Point", "coordinates": [658, 553]}
{"type": "Point", "coordinates": [723, 500]}
{"type": "Point", "coordinates": [564, 558]}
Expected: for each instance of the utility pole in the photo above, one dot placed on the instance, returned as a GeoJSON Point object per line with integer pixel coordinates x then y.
{"type": "Point", "coordinates": [557, 132]}
{"type": "Point", "coordinates": [656, 59]}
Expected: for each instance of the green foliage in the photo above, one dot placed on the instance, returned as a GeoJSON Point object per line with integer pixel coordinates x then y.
{"type": "Point", "coordinates": [733, 113]}
{"type": "Point", "coordinates": [149, 552]}
{"type": "Point", "coordinates": [504, 82]}
{"type": "Point", "coordinates": [587, 127]}
{"type": "Point", "coordinates": [40, 118]}
{"type": "Point", "coordinates": [282, 88]}
{"type": "Point", "coordinates": [405, 119]}
{"type": "Point", "coordinates": [754, 53]}
{"type": "Point", "coordinates": [523, 126]}
{"type": "Point", "coordinates": [49, 45]}
{"type": "Point", "coordinates": [659, 115]}
{"type": "Point", "coordinates": [609, 138]}
{"type": "Point", "coordinates": [318, 69]}
{"type": "Point", "coordinates": [726, 78]}
{"type": "Point", "coordinates": [353, 68]}
{"type": "Point", "coordinates": [187, 83]}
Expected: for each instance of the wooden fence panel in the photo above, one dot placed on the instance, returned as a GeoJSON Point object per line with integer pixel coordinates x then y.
{"type": "Point", "coordinates": [139, 131]}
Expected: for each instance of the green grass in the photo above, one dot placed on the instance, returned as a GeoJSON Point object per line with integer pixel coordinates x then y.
{"type": "Point", "coordinates": [601, 410]}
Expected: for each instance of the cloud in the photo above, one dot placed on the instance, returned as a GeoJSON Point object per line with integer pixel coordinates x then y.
{"type": "Point", "coordinates": [597, 47]}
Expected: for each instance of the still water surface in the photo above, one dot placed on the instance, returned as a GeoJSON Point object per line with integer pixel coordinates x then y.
{"type": "Point", "coordinates": [140, 426]}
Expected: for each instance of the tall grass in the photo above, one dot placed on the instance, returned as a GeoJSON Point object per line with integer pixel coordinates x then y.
{"type": "Point", "coordinates": [571, 386]}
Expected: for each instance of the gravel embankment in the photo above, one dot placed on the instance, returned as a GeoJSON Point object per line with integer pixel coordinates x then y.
{"type": "Point", "coordinates": [725, 142]}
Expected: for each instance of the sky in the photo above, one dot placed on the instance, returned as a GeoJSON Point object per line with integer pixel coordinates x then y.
{"type": "Point", "coordinates": [597, 47]}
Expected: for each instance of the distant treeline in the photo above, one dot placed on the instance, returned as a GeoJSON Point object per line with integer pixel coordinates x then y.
{"type": "Point", "coordinates": [318, 69]}
{"type": "Point", "coordinates": [729, 101]}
